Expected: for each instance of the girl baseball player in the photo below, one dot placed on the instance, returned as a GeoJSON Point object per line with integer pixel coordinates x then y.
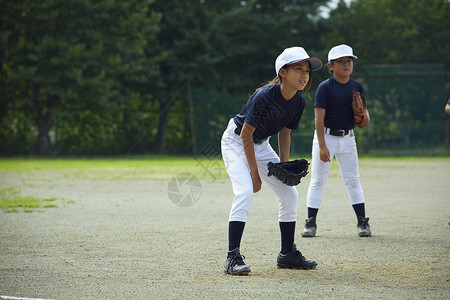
{"type": "Point", "coordinates": [334, 137]}
{"type": "Point", "coordinates": [275, 108]}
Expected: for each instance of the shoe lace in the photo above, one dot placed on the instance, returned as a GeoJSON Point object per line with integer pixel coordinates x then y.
{"type": "Point", "coordinates": [363, 223]}
{"type": "Point", "coordinates": [299, 255]}
{"type": "Point", "coordinates": [237, 261]}
{"type": "Point", "coordinates": [310, 223]}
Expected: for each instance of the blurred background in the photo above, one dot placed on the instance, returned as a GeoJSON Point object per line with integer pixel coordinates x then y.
{"type": "Point", "coordinates": [115, 77]}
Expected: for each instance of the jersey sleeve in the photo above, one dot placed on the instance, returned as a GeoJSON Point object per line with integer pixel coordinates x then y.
{"type": "Point", "coordinates": [321, 97]}
{"type": "Point", "coordinates": [360, 89]}
{"type": "Point", "coordinates": [257, 108]}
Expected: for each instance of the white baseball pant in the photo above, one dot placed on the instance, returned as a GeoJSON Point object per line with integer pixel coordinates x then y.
{"type": "Point", "coordinates": [239, 172]}
{"type": "Point", "coordinates": [346, 153]}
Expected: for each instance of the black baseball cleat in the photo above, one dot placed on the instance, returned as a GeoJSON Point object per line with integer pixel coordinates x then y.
{"type": "Point", "coordinates": [295, 260]}
{"type": "Point", "coordinates": [235, 265]}
{"type": "Point", "coordinates": [363, 227]}
{"type": "Point", "coordinates": [310, 227]}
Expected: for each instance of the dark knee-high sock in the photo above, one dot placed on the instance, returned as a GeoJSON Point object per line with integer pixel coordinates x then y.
{"type": "Point", "coordinates": [235, 231]}
{"type": "Point", "coordinates": [312, 212]}
{"type": "Point", "coordinates": [287, 236]}
{"type": "Point", "coordinates": [360, 210]}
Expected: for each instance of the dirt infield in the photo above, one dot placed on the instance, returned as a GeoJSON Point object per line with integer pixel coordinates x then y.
{"type": "Point", "coordinates": [125, 239]}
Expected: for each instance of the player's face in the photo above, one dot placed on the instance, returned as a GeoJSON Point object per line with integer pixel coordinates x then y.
{"type": "Point", "coordinates": [342, 67]}
{"type": "Point", "coordinates": [297, 75]}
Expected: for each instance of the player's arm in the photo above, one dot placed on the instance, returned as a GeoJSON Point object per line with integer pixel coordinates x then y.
{"type": "Point", "coordinates": [368, 116]}
{"type": "Point", "coordinates": [366, 111]}
{"type": "Point", "coordinates": [319, 121]}
{"type": "Point", "coordinates": [284, 144]}
{"type": "Point", "coordinates": [447, 108]}
{"type": "Point", "coordinates": [249, 150]}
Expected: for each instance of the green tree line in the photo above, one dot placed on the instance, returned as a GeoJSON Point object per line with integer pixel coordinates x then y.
{"type": "Point", "coordinates": [108, 77]}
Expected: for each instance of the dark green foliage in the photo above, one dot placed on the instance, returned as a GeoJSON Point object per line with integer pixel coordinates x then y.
{"type": "Point", "coordinates": [109, 77]}
{"type": "Point", "coordinates": [71, 59]}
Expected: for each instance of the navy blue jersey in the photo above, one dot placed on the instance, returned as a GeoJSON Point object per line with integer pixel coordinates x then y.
{"type": "Point", "coordinates": [336, 98]}
{"type": "Point", "coordinates": [269, 112]}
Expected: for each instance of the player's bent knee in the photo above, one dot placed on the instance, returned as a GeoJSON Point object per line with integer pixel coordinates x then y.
{"type": "Point", "coordinates": [317, 184]}
{"type": "Point", "coordinates": [353, 183]}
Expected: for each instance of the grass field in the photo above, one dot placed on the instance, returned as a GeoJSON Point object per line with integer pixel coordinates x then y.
{"type": "Point", "coordinates": [106, 228]}
{"type": "Point", "coordinates": [155, 167]}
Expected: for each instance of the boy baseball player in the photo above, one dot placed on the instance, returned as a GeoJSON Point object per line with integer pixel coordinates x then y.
{"type": "Point", "coordinates": [334, 137]}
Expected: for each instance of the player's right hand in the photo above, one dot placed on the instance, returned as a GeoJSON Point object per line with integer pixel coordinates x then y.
{"type": "Point", "coordinates": [324, 154]}
{"type": "Point", "coordinates": [256, 181]}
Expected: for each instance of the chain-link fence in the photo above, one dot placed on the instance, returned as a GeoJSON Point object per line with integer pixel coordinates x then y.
{"type": "Point", "coordinates": [406, 105]}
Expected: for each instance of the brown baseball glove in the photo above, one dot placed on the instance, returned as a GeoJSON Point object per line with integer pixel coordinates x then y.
{"type": "Point", "coordinates": [361, 116]}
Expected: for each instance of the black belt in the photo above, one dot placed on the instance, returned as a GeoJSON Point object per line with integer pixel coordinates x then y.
{"type": "Point", "coordinates": [338, 132]}
{"type": "Point", "coordinates": [255, 139]}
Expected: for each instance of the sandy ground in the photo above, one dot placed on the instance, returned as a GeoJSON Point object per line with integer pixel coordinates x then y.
{"type": "Point", "coordinates": [126, 239]}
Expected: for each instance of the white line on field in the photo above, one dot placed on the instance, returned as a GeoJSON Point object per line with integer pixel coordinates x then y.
{"type": "Point", "coordinates": [20, 298]}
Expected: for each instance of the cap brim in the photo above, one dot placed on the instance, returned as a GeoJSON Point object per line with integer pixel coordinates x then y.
{"type": "Point", "coordinates": [354, 56]}
{"type": "Point", "coordinates": [316, 64]}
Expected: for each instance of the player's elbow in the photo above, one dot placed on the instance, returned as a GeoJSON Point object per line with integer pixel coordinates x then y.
{"type": "Point", "coordinates": [447, 109]}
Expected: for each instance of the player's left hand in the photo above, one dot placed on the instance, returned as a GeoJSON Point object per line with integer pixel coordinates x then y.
{"type": "Point", "coordinates": [361, 115]}
{"type": "Point", "coordinates": [290, 172]}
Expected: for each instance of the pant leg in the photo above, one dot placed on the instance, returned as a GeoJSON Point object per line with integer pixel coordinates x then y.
{"type": "Point", "coordinates": [319, 171]}
{"type": "Point", "coordinates": [287, 196]}
{"type": "Point", "coordinates": [347, 159]}
{"type": "Point", "coordinates": [238, 171]}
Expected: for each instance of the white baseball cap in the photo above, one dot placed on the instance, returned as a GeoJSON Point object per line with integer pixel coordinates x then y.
{"type": "Point", "coordinates": [294, 55]}
{"type": "Point", "coordinates": [340, 51]}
